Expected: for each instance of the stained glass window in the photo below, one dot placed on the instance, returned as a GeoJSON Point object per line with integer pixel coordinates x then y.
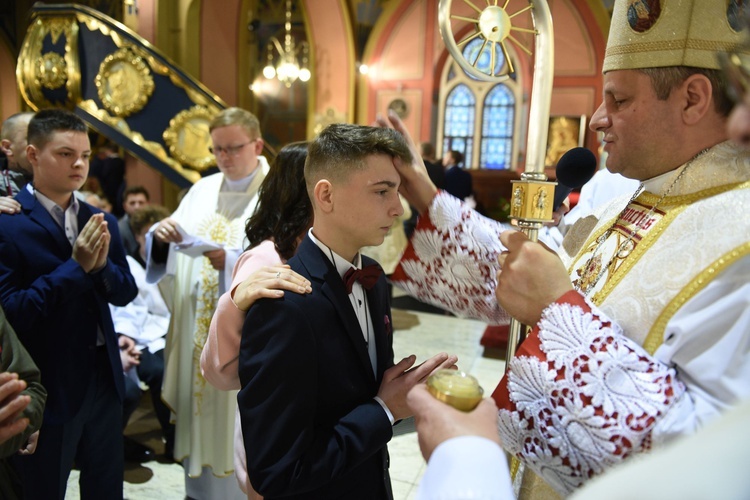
{"type": "Point", "coordinates": [497, 129]}
{"type": "Point", "coordinates": [472, 49]}
{"type": "Point", "coordinates": [479, 118]}
{"type": "Point", "coordinates": [458, 131]}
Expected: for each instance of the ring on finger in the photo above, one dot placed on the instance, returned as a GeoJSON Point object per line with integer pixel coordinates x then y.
{"type": "Point", "coordinates": [278, 274]}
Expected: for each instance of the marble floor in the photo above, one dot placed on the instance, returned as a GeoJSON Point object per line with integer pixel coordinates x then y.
{"type": "Point", "coordinates": [420, 333]}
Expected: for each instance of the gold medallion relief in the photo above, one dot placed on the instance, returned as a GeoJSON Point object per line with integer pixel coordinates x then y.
{"type": "Point", "coordinates": [124, 82]}
{"type": "Point", "coordinates": [188, 137]}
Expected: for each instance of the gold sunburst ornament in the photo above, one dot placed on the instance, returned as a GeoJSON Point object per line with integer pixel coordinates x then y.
{"type": "Point", "coordinates": [494, 25]}
{"type": "Point", "coordinates": [124, 82]}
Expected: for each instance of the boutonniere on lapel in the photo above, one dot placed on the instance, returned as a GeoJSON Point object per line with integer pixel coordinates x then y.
{"type": "Point", "coordinates": [388, 327]}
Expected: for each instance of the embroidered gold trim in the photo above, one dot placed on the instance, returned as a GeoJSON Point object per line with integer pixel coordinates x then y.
{"type": "Point", "coordinates": [655, 336]}
{"type": "Point", "coordinates": [670, 214]}
{"type": "Point", "coordinates": [672, 206]}
{"type": "Point", "coordinates": [668, 45]}
{"type": "Point", "coordinates": [217, 228]}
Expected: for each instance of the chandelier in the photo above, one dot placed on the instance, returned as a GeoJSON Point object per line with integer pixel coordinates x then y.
{"type": "Point", "coordinates": [287, 68]}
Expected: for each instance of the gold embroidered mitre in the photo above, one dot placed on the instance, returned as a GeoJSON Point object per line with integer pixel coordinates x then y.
{"type": "Point", "coordinates": [660, 33]}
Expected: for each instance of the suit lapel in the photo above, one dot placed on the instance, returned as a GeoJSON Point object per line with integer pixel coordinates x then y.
{"type": "Point", "coordinates": [321, 269]}
{"type": "Point", "coordinates": [381, 321]}
{"type": "Point", "coordinates": [84, 214]}
{"type": "Point", "coordinates": [39, 215]}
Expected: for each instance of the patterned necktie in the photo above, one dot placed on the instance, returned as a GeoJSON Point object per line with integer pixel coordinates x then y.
{"type": "Point", "coordinates": [367, 277]}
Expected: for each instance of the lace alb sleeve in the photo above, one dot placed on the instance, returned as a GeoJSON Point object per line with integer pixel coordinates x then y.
{"type": "Point", "coordinates": [581, 397]}
{"type": "Point", "coordinates": [451, 261]}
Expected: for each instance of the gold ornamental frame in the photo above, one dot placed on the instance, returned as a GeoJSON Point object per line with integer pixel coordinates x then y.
{"type": "Point", "coordinates": [37, 70]}
{"type": "Point", "coordinates": [188, 137]}
{"type": "Point", "coordinates": [124, 82]}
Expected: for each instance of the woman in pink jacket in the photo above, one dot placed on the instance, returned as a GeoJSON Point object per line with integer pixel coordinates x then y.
{"type": "Point", "coordinates": [282, 217]}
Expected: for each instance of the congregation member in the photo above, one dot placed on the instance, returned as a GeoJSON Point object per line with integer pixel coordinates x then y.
{"type": "Point", "coordinates": [215, 209]}
{"type": "Point", "coordinates": [434, 166]}
{"type": "Point", "coordinates": [133, 198]}
{"type": "Point", "coordinates": [108, 173]}
{"type": "Point", "coordinates": [142, 325]}
{"type": "Point", "coordinates": [437, 176]}
{"type": "Point", "coordinates": [651, 293]}
{"type": "Point", "coordinates": [61, 264]}
{"type": "Point", "coordinates": [320, 392]}
{"type": "Point", "coordinates": [458, 181]}
{"type": "Point", "coordinates": [22, 398]}
{"type": "Point", "coordinates": [16, 171]}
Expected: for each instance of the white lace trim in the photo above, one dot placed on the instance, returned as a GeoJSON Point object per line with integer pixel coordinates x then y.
{"type": "Point", "coordinates": [456, 264]}
{"type": "Point", "coordinates": [593, 402]}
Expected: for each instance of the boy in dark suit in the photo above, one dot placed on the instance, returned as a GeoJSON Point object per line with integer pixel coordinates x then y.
{"type": "Point", "coordinates": [61, 263]}
{"type": "Point", "coordinates": [320, 392]}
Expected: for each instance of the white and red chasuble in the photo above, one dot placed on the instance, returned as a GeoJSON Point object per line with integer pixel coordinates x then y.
{"type": "Point", "coordinates": [662, 345]}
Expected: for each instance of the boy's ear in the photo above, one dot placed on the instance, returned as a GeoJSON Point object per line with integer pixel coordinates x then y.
{"type": "Point", "coordinates": [32, 154]}
{"type": "Point", "coordinates": [323, 195]}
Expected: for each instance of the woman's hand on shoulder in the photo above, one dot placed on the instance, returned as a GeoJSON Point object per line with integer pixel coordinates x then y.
{"type": "Point", "coordinates": [268, 282]}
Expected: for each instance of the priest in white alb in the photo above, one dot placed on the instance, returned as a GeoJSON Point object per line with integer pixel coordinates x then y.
{"type": "Point", "coordinates": [214, 211]}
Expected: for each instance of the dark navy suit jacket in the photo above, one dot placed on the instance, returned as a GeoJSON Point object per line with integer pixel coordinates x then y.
{"type": "Point", "coordinates": [311, 426]}
{"type": "Point", "coordinates": [55, 307]}
{"type": "Point", "coordinates": [458, 182]}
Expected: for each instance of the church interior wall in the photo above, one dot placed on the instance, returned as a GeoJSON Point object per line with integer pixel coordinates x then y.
{"type": "Point", "coordinates": [210, 40]}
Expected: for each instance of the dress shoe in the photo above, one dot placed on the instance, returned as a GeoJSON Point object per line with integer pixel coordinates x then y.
{"type": "Point", "coordinates": [137, 452]}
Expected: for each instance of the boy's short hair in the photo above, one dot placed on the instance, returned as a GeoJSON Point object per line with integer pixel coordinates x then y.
{"type": "Point", "coordinates": [135, 190]}
{"type": "Point", "coordinates": [48, 121]}
{"type": "Point", "coordinates": [146, 217]}
{"type": "Point", "coordinates": [343, 148]}
{"type": "Point", "coordinates": [237, 116]}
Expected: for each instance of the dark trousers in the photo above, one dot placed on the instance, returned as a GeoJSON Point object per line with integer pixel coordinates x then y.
{"type": "Point", "coordinates": [92, 439]}
{"type": "Point", "coordinates": [150, 371]}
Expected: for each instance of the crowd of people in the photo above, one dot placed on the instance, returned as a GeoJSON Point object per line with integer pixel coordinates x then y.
{"type": "Point", "coordinates": [263, 331]}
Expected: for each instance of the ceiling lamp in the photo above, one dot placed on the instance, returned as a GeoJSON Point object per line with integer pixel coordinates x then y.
{"type": "Point", "coordinates": [287, 68]}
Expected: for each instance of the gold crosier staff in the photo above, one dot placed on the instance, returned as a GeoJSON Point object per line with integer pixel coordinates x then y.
{"type": "Point", "coordinates": [532, 196]}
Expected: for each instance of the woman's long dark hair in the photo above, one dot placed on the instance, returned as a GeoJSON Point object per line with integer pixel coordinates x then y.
{"type": "Point", "coordinates": [284, 211]}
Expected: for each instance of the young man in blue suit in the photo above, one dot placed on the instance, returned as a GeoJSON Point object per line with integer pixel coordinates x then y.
{"type": "Point", "coordinates": [320, 392]}
{"type": "Point", "coordinates": [61, 263]}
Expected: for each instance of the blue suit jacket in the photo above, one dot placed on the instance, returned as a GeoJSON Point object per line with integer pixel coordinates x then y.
{"type": "Point", "coordinates": [311, 426]}
{"type": "Point", "coordinates": [55, 307]}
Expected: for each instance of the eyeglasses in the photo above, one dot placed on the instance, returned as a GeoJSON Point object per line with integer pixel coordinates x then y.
{"type": "Point", "coordinates": [229, 150]}
{"type": "Point", "coordinates": [736, 68]}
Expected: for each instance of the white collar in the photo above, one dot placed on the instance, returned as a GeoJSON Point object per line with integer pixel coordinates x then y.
{"type": "Point", "coordinates": [341, 264]}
